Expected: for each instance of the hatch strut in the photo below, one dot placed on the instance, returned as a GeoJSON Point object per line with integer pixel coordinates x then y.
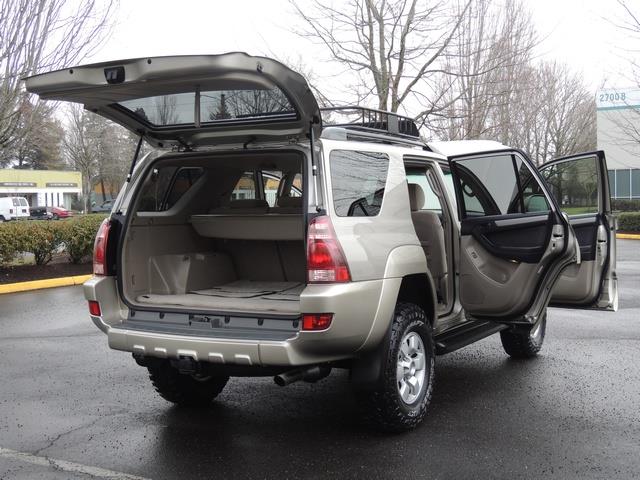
{"type": "Point", "coordinates": [135, 157]}
{"type": "Point", "coordinates": [314, 165]}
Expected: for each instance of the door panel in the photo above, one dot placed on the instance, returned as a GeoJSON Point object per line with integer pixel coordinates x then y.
{"type": "Point", "coordinates": [581, 187]}
{"type": "Point", "coordinates": [521, 238]}
{"type": "Point", "coordinates": [513, 240]}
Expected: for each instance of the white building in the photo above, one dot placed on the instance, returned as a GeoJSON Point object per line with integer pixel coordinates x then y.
{"type": "Point", "coordinates": [618, 117]}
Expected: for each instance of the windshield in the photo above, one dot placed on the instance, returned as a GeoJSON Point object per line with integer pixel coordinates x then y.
{"type": "Point", "coordinates": [214, 106]}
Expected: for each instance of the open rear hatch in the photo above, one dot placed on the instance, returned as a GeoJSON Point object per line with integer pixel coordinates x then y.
{"type": "Point", "coordinates": [191, 100]}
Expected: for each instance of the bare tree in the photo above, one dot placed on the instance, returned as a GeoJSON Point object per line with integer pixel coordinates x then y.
{"type": "Point", "coordinates": [552, 113]}
{"type": "Point", "coordinates": [494, 42]}
{"type": "Point", "coordinates": [99, 149]}
{"type": "Point", "coordinates": [395, 47]}
{"type": "Point", "coordinates": [627, 121]}
{"type": "Point", "coordinates": [37, 35]}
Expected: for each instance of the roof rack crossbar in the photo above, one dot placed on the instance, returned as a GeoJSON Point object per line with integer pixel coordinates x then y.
{"type": "Point", "coordinates": [358, 117]}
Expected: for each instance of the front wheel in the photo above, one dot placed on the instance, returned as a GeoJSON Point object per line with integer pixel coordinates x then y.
{"type": "Point", "coordinates": [400, 402]}
{"type": "Point", "coordinates": [525, 344]}
{"type": "Point", "coordinates": [186, 390]}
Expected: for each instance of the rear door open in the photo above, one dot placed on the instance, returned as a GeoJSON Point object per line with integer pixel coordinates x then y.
{"type": "Point", "coordinates": [187, 101]}
{"type": "Point", "coordinates": [580, 186]}
{"type": "Point", "coordinates": [514, 240]}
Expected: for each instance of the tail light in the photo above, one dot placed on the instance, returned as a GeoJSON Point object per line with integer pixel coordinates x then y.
{"type": "Point", "coordinates": [325, 259]}
{"type": "Point", "coordinates": [100, 249]}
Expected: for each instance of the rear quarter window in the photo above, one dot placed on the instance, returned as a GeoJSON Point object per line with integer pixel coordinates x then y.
{"type": "Point", "coordinates": [357, 182]}
{"type": "Point", "coordinates": [165, 186]}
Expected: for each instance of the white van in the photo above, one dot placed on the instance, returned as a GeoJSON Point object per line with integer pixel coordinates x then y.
{"type": "Point", "coordinates": [12, 208]}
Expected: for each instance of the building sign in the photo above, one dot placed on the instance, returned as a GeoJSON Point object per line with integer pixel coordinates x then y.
{"type": "Point", "coordinates": [18, 184]}
{"type": "Point", "coordinates": [614, 98]}
{"type": "Point", "coordinates": [62, 184]}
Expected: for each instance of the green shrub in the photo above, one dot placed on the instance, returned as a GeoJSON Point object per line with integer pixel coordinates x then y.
{"type": "Point", "coordinates": [42, 238]}
{"type": "Point", "coordinates": [79, 234]}
{"type": "Point", "coordinates": [629, 221]}
{"type": "Point", "coordinates": [625, 205]}
{"type": "Point", "coordinates": [11, 241]}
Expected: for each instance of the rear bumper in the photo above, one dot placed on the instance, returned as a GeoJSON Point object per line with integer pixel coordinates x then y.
{"type": "Point", "coordinates": [362, 311]}
{"type": "Point", "coordinates": [212, 350]}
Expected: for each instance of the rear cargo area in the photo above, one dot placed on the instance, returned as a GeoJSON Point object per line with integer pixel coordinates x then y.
{"type": "Point", "coordinates": [230, 240]}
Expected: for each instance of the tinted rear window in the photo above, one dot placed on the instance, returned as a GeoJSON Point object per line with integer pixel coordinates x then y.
{"type": "Point", "coordinates": [215, 106]}
{"type": "Point", "coordinates": [357, 182]}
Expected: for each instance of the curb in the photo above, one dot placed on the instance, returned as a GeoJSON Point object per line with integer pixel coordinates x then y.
{"type": "Point", "coordinates": [46, 283]}
{"type": "Point", "coordinates": [628, 236]}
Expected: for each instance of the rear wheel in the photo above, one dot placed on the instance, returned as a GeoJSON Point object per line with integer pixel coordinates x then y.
{"type": "Point", "coordinates": [525, 344]}
{"type": "Point", "coordinates": [400, 402]}
{"type": "Point", "coordinates": [187, 390]}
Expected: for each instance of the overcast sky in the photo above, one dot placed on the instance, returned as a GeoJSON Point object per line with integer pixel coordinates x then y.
{"type": "Point", "coordinates": [573, 31]}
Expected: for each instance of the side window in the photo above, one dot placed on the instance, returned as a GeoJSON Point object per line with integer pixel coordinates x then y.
{"type": "Point", "coordinates": [498, 185]}
{"type": "Point", "coordinates": [165, 186]}
{"type": "Point", "coordinates": [358, 180]}
{"type": "Point", "coordinates": [574, 185]}
{"type": "Point", "coordinates": [245, 188]}
{"type": "Point", "coordinates": [271, 181]}
{"type": "Point", "coordinates": [431, 200]}
{"type": "Point", "coordinates": [296, 186]}
{"type": "Point", "coordinates": [182, 181]}
{"type": "Point", "coordinates": [534, 199]}
{"type": "Point", "coordinates": [448, 183]}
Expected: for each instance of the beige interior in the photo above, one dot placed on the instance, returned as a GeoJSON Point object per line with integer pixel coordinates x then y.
{"type": "Point", "coordinates": [493, 286]}
{"type": "Point", "coordinates": [208, 253]}
{"type": "Point", "coordinates": [431, 235]}
{"type": "Point", "coordinates": [580, 283]}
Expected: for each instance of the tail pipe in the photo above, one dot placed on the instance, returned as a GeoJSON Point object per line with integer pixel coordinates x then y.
{"type": "Point", "coordinates": [308, 374]}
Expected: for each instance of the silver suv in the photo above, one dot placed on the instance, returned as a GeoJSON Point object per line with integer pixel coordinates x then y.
{"type": "Point", "coordinates": [263, 236]}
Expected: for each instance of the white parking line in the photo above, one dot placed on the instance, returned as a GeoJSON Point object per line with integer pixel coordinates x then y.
{"type": "Point", "coordinates": [65, 466]}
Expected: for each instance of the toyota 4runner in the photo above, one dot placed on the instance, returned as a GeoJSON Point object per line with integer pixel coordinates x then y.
{"type": "Point", "coordinates": [265, 236]}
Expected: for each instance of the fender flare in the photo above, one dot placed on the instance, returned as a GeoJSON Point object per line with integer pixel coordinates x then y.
{"type": "Point", "coordinates": [403, 263]}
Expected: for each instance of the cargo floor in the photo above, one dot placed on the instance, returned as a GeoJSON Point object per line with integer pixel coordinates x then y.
{"type": "Point", "coordinates": [237, 296]}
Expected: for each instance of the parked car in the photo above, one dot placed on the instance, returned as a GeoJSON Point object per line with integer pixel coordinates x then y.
{"type": "Point", "coordinates": [14, 208]}
{"type": "Point", "coordinates": [396, 251]}
{"type": "Point", "coordinates": [40, 213]}
{"type": "Point", "coordinates": [60, 212]}
{"type": "Point", "coordinates": [103, 207]}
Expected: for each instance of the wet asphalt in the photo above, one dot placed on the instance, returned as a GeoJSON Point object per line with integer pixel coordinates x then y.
{"type": "Point", "coordinates": [573, 412]}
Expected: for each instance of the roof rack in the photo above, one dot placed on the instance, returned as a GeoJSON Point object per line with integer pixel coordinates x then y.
{"type": "Point", "coordinates": [370, 120]}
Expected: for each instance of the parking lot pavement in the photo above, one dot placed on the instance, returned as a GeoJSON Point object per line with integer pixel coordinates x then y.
{"type": "Point", "coordinates": [72, 408]}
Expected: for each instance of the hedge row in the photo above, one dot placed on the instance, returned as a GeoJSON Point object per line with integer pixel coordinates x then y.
{"type": "Point", "coordinates": [43, 238]}
{"type": "Point", "coordinates": [625, 205]}
{"type": "Point", "coordinates": [629, 221]}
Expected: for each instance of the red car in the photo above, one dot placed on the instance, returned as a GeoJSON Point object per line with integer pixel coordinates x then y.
{"type": "Point", "coordinates": [60, 212]}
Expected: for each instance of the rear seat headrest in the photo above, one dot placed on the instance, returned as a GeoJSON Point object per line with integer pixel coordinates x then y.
{"type": "Point", "coordinates": [416, 197]}
{"type": "Point", "coordinates": [290, 202]}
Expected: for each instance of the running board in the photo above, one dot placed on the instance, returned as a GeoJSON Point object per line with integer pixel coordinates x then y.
{"type": "Point", "coordinates": [466, 334]}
